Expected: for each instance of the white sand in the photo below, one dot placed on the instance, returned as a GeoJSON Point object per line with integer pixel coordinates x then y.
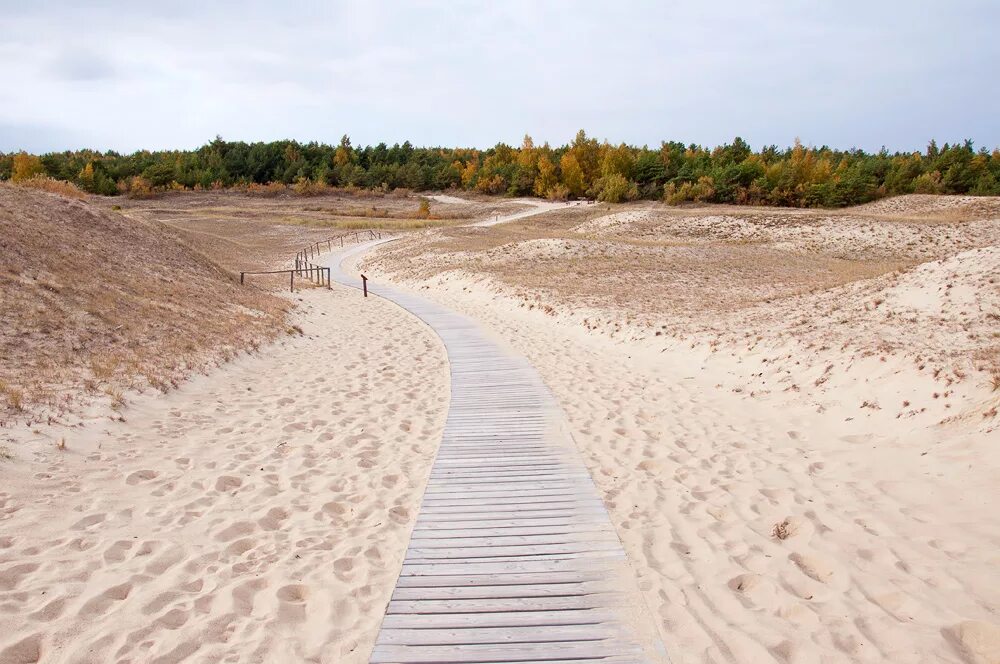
{"type": "Point", "coordinates": [258, 514]}
{"type": "Point", "coordinates": [783, 525]}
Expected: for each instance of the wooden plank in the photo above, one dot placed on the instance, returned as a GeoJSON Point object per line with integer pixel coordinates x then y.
{"type": "Point", "coordinates": [563, 529]}
{"type": "Point", "coordinates": [523, 567]}
{"type": "Point", "coordinates": [554, 578]}
{"type": "Point", "coordinates": [500, 619]}
{"type": "Point", "coordinates": [505, 604]}
{"type": "Point", "coordinates": [521, 522]}
{"type": "Point", "coordinates": [594, 556]}
{"type": "Point", "coordinates": [493, 551]}
{"type": "Point", "coordinates": [524, 652]}
{"type": "Point", "coordinates": [519, 634]}
{"type": "Point", "coordinates": [434, 504]}
{"type": "Point", "coordinates": [509, 511]}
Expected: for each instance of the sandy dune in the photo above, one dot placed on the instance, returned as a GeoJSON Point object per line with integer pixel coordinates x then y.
{"type": "Point", "coordinates": [257, 514]}
{"type": "Point", "coordinates": [790, 493]}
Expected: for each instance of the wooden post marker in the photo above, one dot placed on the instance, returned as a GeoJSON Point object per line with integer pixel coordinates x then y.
{"type": "Point", "coordinates": [364, 284]}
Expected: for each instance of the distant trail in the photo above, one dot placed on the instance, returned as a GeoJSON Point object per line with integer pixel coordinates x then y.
{"type": "Point", "coordinates": [513, 557]}
{"type": "Point", "coordinates": [539, 207]}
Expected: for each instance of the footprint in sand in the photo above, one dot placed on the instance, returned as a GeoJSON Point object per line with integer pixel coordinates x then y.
{"type": "Point", "coordinates": [227, 483]}
{"type": "Point", "coordinates": [235, 530]}
{"type": "Point", "coordinates": [116, 552]}
{"type": "Point", "coordinates": [25, 651]}
{"type": "Point", "coordinates": [979, 641]}
{"type": "Point", "coordinates": [88, 521]}
{"type": "Point", "coordinates": [272, 520]}
{"type": "Point", "coordinates": [173, 619]}
{"type": "Point", "coordinates": [293, 593]}
{"type": "Point", "coordinates": [49, 612]}
{"type": "Point", "coordinates": [814, 567]}
{"type": "Point", "coordinates": [754, 590]}
{"type": "Point", "coordinates": [244, 594]}
{"type": "Point", "coordinates": [99, 605]}
{"type": "Point", "coordinates": [11, 576]}
{"type": "Point", "coordinates": [141, 476]}
{"type": "Point", "coordinates": [241, 546]}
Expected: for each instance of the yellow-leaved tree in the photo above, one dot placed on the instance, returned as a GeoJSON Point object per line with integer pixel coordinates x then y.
{"type": "Point", "coordinates": [546, 178]}
{"type": "Point", "coordinates": [86, 177]}
{"type": "Point", "coordinates": [25, 167]}
{"type": "Point", "coordinates": [572, 174]}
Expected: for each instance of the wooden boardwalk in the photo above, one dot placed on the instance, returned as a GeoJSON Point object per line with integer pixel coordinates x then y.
{"type": "Point", "coordinates": [513, 557]}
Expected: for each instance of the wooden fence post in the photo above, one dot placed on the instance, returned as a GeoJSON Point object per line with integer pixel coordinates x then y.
{"type": "Point", "coordinates": [291, 281]}
{"type": "Point", "coordinates": [241, 278]}
{"type": "Point", "coordinates": [364, 284]}
{"type": "Point", "coordinates": [328, 279]}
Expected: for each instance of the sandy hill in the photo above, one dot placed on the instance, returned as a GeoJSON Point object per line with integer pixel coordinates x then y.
{"type": "Point", "coordinates": [96, 301]}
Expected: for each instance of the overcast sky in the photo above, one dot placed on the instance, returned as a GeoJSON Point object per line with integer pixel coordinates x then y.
{"type": "Point", "coordinates": [845, 73]}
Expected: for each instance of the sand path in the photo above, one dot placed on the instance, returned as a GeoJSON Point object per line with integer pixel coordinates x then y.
{"type": "Point", "coordinates": [256, 514]}
{"type": "Point", "coordinates": [513, 556]}
{"type": "Point", "coordinates": [536, 207]}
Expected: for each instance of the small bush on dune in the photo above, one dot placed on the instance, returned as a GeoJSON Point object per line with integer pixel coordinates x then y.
{"type": "Point", "coordinates": [424, 211]}
{"type": "Point", "coordinates": [306, 187]}
{"type": "Point", "coordinates": [558, 192]}
{"type": "Point", "coordinates": [136, 187]}
{"type": "Point", "coordinates": [928, 183]}
{"type": "Point", "coordinates": [702, 191]}
{"type": "Point", "coordinates": [269, 190]}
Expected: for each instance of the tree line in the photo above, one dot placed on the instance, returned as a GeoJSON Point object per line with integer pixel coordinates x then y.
{"type": "Point", "coordinates": [796, 176]}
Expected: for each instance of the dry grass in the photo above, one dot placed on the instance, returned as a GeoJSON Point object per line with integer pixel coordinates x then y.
{"type": "Point", "coordinates": [781, 530]}
{"type": "Point", "coordinates": [95, 302]}
{"type": "Point", "coordinates": [13, 397]}
{"type": "Point", "coordinates": [245, 232]}
{"type": "Point", "coordinates": [644, 275]}
{"type": "Point", "coordinates": [397, 224]}
{"type": "Point", "coordinates": [53, 186]}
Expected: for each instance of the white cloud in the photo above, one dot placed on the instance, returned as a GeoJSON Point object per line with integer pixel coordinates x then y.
{"type": "Point", "coordinates": [113, 75]}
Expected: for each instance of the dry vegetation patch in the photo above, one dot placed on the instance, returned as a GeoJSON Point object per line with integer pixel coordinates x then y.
{"type": "Point", "coordinates": [95, 303]}
{"type": "Point", "coordinates": [914, 275]}
{"type": "Point", "coordinates": [618, 264]}
{"type": "Point", "coordinates": [277, 217]}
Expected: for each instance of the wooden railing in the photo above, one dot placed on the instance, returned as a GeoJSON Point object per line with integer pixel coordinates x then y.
{"type": "Point", "coordinates": [317, 271]}
{"type": "Point", "coordinates": [304, 267]}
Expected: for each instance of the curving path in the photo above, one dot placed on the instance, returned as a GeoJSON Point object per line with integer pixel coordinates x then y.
{"type": "Point", "coordinates": [513, 557]}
